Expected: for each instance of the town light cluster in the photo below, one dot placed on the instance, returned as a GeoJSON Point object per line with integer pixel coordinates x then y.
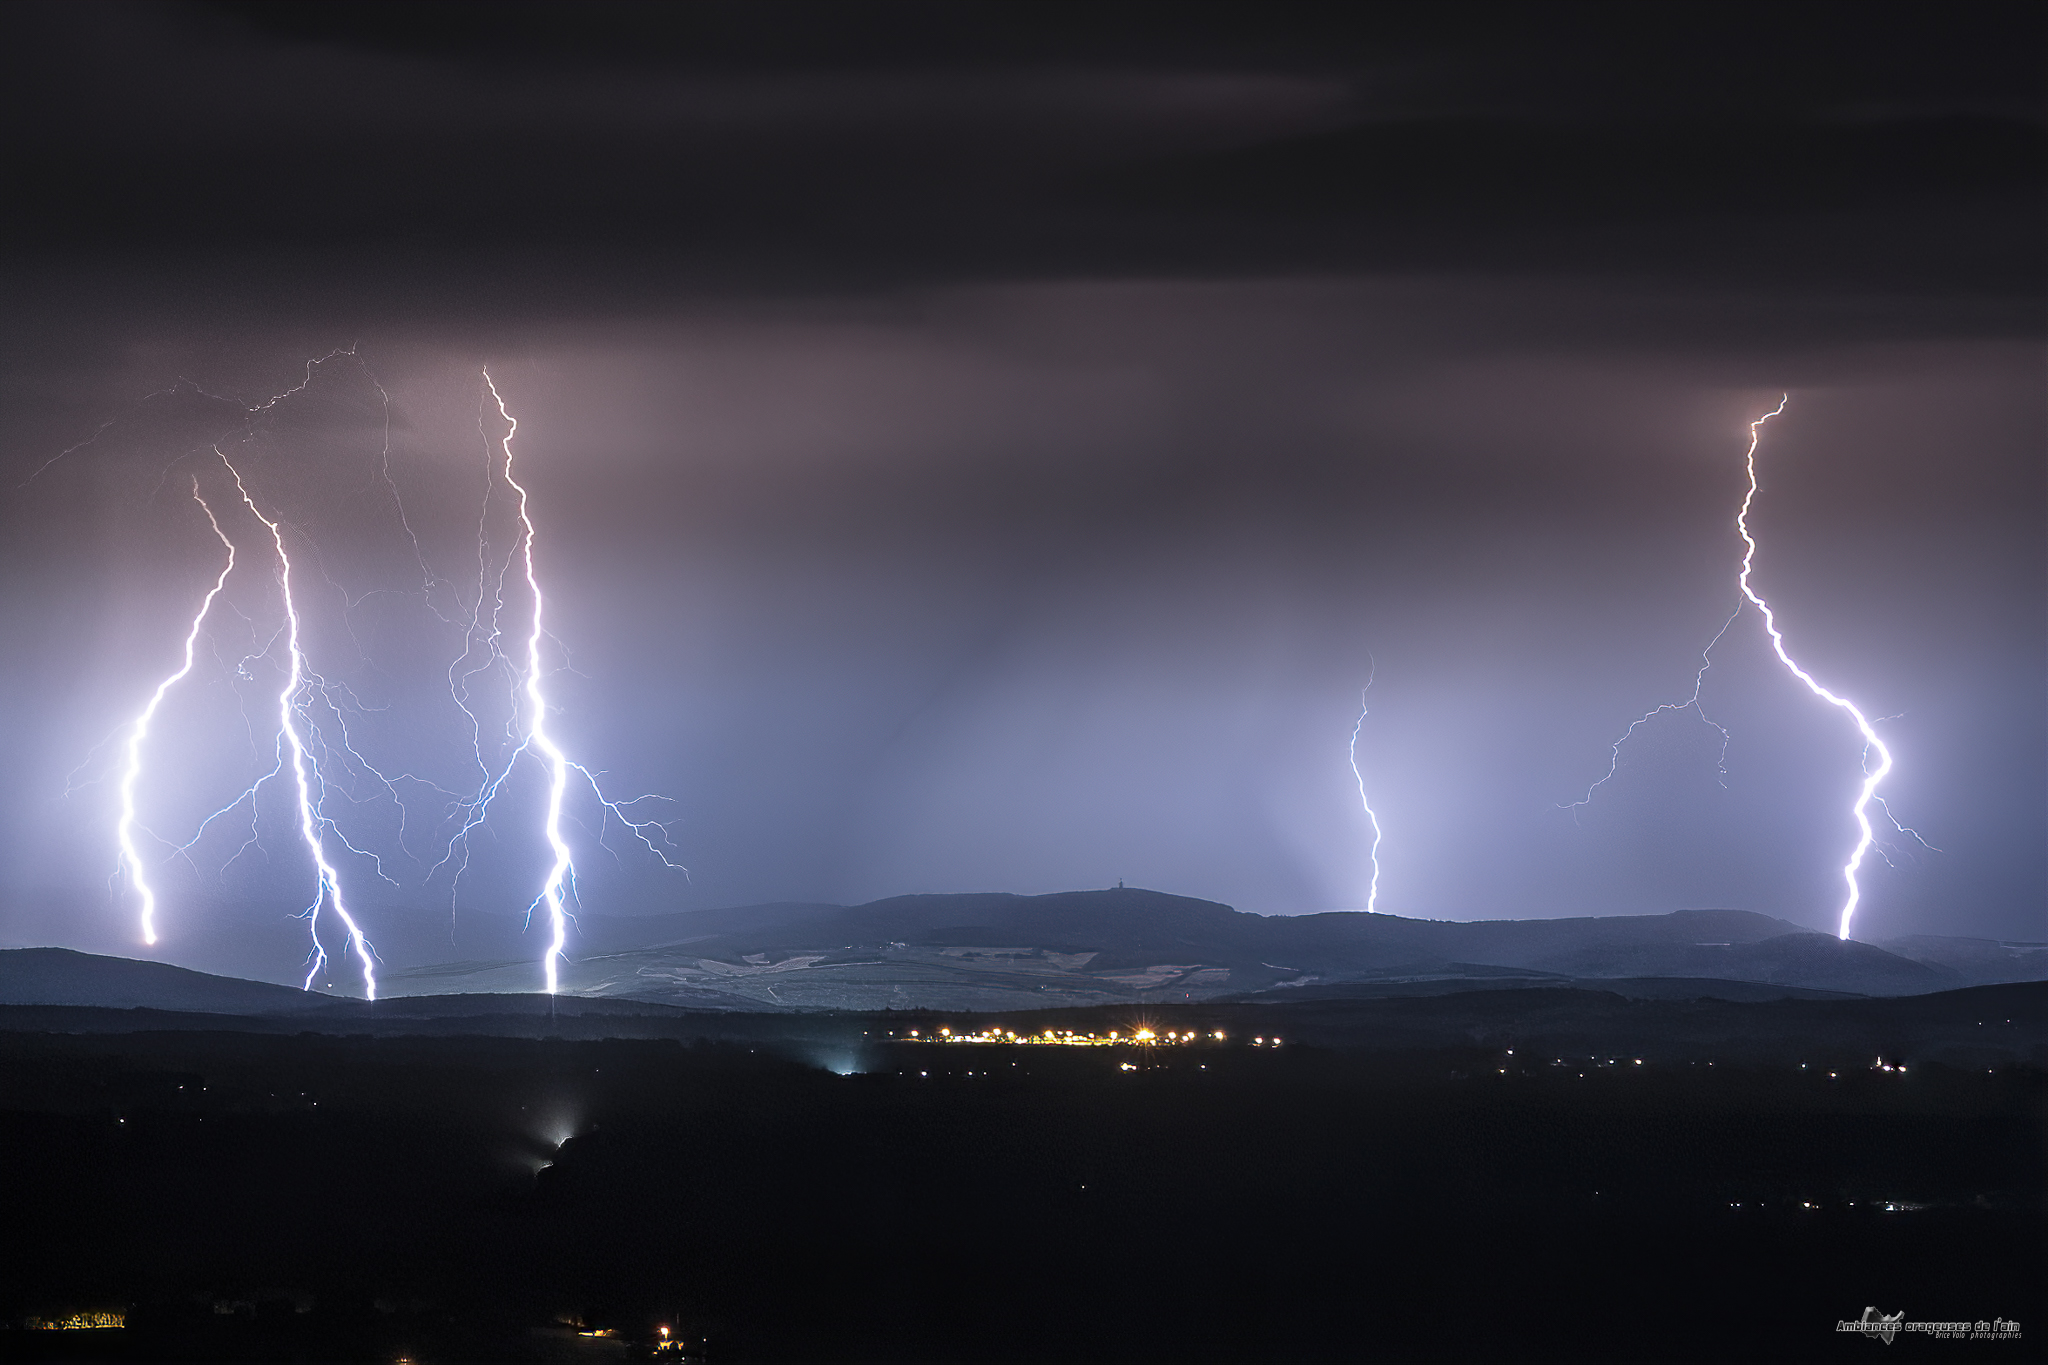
{"type": "Point", "coordinates": [1143, 1037]}
{"type": "Point", "coordinates": [78, 1322]}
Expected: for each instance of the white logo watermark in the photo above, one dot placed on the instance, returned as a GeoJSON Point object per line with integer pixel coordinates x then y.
{"type": "Point", "coordinates": [1885, 1326]}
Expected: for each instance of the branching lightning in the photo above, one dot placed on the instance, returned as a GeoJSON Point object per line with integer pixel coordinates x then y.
{"type": "Point", "coordinates": [328, 889]}
{"type": "Point", "coordinates": [315, 715]}
{"type": "Point", "coordinates": [552, 889]}
{"type": "Point", "coordinates": [1860, 809]}
{"type": "Point", "coordinates": [1372, 895]}
{"type": "Point", "coordinates": [1691, 703]}
{"type": "Point", "coordinates": [559, 882]}
{"type": "Point", "coordinates": [131, 857]}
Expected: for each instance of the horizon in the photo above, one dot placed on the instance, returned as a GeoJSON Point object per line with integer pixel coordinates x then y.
{"type": "Point", "coordinates": [408, 966]}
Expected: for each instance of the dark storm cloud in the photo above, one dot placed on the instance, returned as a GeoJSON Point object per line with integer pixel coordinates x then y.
{"type": "Point", "coordinates": [470, 160]}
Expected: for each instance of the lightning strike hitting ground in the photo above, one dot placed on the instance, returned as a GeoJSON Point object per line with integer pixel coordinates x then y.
{"type": "Point", "coordinates": [323, 758]}
{"type": "Point", "coordinates": [131, 857]}
{"type": "Point", "coordinates": [328, 890]}
{"type": "Point", "coordinates": [1860, 809]}
{"type": "Point", "coordinates": [558, 885]}
{"type": "Point", "coordinates": [1372, 895]}
{"type": "Point", "coordinates": [552, 889]}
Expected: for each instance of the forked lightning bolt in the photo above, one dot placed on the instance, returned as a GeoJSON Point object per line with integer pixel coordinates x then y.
{"type": "Point", "coordinates": [552, 890]}
{"type": "Point", "coordinates": [1372, 895]}
{"type": "Point", "coordinates": [301, 745]}
{"type": "Point", "coordinates": [328, 888]}
{"type": "Point", "coordinates": [559, 882]}
{"type": "Point", "coordinates": [131, 857]}
{"type": "Point", "coordinates": [1860, 808]}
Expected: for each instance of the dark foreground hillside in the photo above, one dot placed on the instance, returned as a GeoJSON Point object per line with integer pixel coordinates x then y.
{"type": "Point", "coordinates": [281, 1196]}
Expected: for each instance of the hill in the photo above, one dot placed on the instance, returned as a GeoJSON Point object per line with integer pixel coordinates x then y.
{"type": "Point", "coordinates": [59, 976]}
{"type": "Point", "coordinates": [998, 951]}
{"type": "Point", "coordinates": [995, 951]}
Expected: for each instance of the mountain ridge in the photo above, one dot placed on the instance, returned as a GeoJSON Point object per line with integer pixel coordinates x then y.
{"type": "Point", "coordinates": [999, 950]}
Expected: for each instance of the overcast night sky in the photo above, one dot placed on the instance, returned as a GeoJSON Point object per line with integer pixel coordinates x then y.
{"type": "Point", "coordinates": [988, 447]}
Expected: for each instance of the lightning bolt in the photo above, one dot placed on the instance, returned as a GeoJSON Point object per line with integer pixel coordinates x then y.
{"type": "Point", "coordinates": [1372, 895]}
{"type": "Point", "coordinates": [1860, 809]}
{"type": "Point", "coordinates": [340, 699]}
{"type": "Point", "coordinates": [560, 880]}
{"type": "Point", "coordinates": [124, 829]}
{"type": "Point", "coordinates": [537, 737]}
{"type": "Point", "coordinates": [311, 743]}
{"type": "Point", "coordinates": [328, 889]}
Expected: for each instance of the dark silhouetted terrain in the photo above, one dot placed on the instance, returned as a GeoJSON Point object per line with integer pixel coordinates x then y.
{"type": "Point", "coordinates": [1124, 945]}
{"type": "Point", "coordinates": [1387, 1138]}
{"type": "Point", "coordinates": [59, 976]}
{"type": "Point", "coordinates": [1127, 944]}
{"type": "Point", "coordinates": [1517, 1174]}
